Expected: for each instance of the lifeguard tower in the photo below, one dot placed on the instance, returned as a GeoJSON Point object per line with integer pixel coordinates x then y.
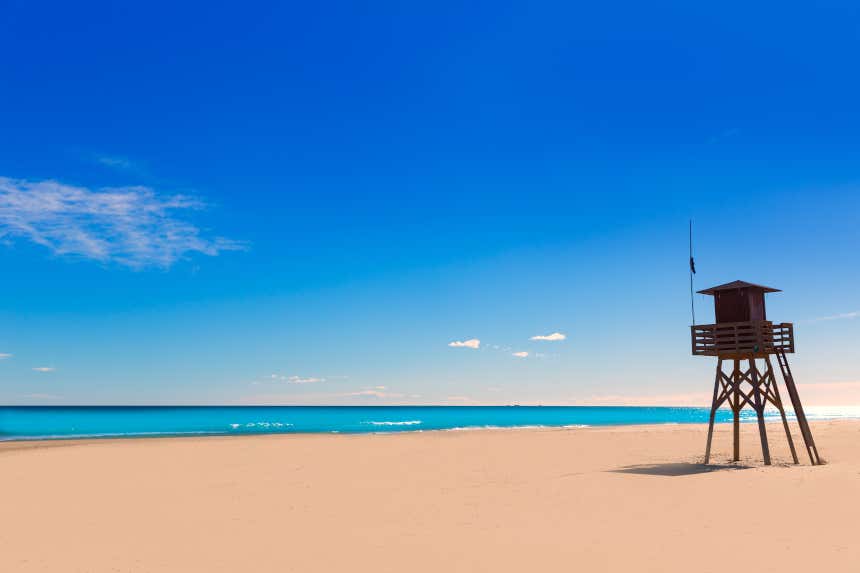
{"type": "Point", "coordinates": [741, 337]}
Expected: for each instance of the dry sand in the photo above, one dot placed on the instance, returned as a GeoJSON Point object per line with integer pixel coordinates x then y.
{"type": "Point", "coordinates": [596, 499]}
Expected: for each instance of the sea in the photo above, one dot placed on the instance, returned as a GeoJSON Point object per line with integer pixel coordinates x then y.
{"type": "Point", "coordinates": [69, 422]}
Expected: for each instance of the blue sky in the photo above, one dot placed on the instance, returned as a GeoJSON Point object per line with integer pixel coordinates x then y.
{"type": "Point", "coordinates": [285, 203]}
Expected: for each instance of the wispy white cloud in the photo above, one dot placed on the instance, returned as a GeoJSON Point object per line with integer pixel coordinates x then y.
{"type": "Point", "coordinates": [295, 379]}
{"type": "Point", "coordinates": [521, 354]}
{"type": "Point", "coordinates": [304, 380]}
{"type": "Point", "coordinates": [364, 395]}
{"type": "Point", "coordinates": [5, 355]}
{"type": "Point", "coordinates": [725, 134]}
{"type": "Point", "coordinates": [550, 337]}
{"type": "Point", "coordinates": [844, 315]}
{"type": "Point", "coordinates": [473, 343]}
{"type": "Point", "coordinates": [44, 369]}
{"type": "Point", "coordinates": [374, 393]}
{"type": "Point", "coordinates": [114, 161]}
{"type": "Point", "coordinates": [132, 226]}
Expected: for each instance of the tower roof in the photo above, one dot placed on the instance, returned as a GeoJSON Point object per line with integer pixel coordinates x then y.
{"type": "Point", "coordinates": [734, 285]}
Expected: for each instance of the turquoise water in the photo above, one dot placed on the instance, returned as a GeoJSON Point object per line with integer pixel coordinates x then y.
{"type": "Point", "coordinates": [28, 423]}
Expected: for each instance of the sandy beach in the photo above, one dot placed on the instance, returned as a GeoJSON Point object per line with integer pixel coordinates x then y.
{"type": "Point", "coordinates": [589, 499]}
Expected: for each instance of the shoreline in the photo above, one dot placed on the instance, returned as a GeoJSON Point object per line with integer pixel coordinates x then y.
{"type": "Point", "coordinates": [773, 426]}
{"type": "Point", "coordinates": [72, 424]}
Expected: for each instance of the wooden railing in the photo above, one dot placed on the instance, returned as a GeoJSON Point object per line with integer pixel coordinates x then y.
{"type": "Point", "coordinates": [741, 338]}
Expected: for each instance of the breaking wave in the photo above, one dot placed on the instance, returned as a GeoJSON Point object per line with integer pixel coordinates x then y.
{"type": "Point", "coordinates": [261, 425]}
{"type": "Point", "coordinates": [399, 423]}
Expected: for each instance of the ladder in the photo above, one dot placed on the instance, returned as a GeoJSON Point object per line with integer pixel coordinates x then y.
{"type": "Point", "coordinates": [798, 407]}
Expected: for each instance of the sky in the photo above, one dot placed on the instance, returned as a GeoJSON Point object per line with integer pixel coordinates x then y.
{"type": "Point", "coordinates": [419, 202]}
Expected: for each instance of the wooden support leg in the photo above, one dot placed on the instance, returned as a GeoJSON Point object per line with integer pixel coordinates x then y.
{"type": "Point", "coordinates": [736, 411]}
{"type": "Point", "coordinates": [759, 408]}
{"type": "Point", "coordinates": [736, 426]}
{"type": "Point", "coordinates": [778, 404]}
{"type": "Point", "coordinates": [713, 410]}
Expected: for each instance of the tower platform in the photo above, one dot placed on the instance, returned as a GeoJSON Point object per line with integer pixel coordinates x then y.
{"type": "Point", "coordinates": [755, 338]}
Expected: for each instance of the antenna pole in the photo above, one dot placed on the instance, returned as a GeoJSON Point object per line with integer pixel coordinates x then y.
{"type": "Point", "coordinates": [692, 272]}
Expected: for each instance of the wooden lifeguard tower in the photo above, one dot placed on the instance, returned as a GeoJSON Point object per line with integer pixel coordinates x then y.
{"type": "Point", "coordinates": [742, 334]}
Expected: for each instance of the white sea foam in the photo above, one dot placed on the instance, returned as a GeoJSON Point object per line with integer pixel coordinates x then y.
{"type": "Point", "coordinates": [264, 425]}
{"type": "Point", "coordinates": [812, 413]}
{"type": "Point", "coordinates": [400, 423]}
{"type": "Point", "coordinates": [522, 427]}
{"type": "Point", "coordinates": [832, 412]}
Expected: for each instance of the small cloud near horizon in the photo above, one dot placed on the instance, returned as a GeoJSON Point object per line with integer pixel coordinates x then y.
{"type": "Point", "coordinates": [472, 343]}
{"type": "Point", "coordinates": [5, 355]}
{"type": "Point", "coordinates": [44, 369]}
{"type": "Point", "coordinates": [555, 336]}
{"type": "Point", "coordinates": [521, 354]}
